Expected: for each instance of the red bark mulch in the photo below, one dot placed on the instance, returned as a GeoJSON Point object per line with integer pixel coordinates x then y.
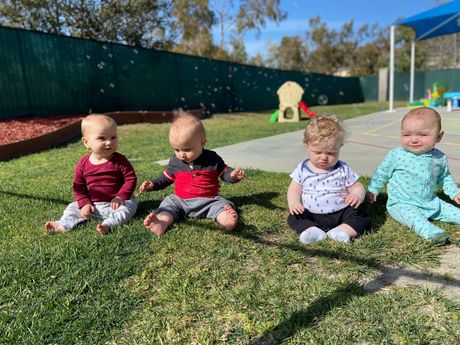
{"type": "Point", "coordinates": [30, 127]}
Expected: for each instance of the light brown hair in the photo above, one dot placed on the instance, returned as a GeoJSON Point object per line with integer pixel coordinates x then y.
{"type": "Point", "coordinates": [324, 127]}
{"type": "Point", "coordinates": [186, 124]}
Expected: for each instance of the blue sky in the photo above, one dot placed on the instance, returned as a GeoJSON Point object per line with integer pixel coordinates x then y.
{"type": "Point", "coordinates": [335, 13]}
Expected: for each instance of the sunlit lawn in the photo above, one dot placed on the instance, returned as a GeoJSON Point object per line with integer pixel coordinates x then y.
{"type": "Point", "coordinates": [196, 284]}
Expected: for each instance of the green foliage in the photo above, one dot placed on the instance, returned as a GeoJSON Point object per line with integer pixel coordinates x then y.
{"type": "Point", "coordinates": [144, 23]}
{"type": "Point", "coordinates": [197, 284]}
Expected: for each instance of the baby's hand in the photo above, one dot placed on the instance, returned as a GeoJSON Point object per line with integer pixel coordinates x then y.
{"type": "Point", "coordinates": [296, 208]}
{"type": "Point", "coordinates": [371, 197]}
{"type": "Point", "coordinates": [353, 200]}
{"type": "Point", "coordinates": [237, 174]}
{"type": "Point", "coordinates": [457, 199]}
{"type": "Point", "coordinates": [146, 186]}
{"type": "Point", "coordinates": [116, 203]}
{"type": "Point", "coordinates": [87, 211]}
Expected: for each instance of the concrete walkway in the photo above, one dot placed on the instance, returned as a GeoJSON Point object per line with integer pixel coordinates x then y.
{"type": "Point", "coordinates": [370, 137]}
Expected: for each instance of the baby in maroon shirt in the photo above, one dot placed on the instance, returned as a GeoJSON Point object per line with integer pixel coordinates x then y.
{"type": "Point", "coordinates": [104, 181]}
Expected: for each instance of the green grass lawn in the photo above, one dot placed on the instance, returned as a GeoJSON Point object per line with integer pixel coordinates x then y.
{"type": "Point", "coordinates": [197, 284]}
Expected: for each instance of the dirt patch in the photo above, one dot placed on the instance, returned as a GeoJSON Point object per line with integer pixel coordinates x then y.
{"type": "Point", "coordinates": [16, 130]}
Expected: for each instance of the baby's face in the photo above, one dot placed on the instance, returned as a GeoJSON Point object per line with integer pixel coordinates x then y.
{"type": "Point", "coordinates": [187, 147]}
{"type": "Point", "coordinates": [323, 155]}
{"type": "Point", "coordinates": [101, 139]}
{"type": "Point", "coordinates": [420, 134]}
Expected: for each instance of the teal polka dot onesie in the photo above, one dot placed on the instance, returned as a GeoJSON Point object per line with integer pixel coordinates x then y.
{"type": "Point", "coordinates": [412, 183]}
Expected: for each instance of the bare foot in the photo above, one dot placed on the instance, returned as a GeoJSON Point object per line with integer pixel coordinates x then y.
{"type": "Point", "coordinates": [228, 218]}
{"type": "Point", "coordinates": [155, 225]}
{"type": "Point", "coordinates": [53, 227]}
{"type": "Point", "coordinates": [102, 229]}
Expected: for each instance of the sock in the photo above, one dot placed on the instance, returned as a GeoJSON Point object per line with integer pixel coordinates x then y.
{"type": "Point", "coordinates": [339, 235]}
{"type": "Point", "coordinates": [313, 234]}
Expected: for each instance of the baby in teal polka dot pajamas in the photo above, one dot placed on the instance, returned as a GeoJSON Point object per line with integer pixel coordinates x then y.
{"type": "Point", "coordinates": [413, 172]}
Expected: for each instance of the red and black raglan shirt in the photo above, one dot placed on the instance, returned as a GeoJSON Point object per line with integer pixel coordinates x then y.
{"type": "Point", "coordinates": [201, 181]}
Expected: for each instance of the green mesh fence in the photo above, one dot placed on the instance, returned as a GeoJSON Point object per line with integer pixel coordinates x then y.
{"type": "Point", "coordinates": [43, 74]}
{"type": "Point", "coordinates": [424, 80]}
{"type": "Point", "coordinates": [370, 87]}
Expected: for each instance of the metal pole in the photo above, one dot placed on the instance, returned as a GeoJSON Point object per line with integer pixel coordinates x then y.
{"type": "Point", "coordinates": [412, 71]}
{"type": "Point", "coordinates": [392, 68]}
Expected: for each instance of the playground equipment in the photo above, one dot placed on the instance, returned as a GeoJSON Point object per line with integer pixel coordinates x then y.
{"type": "Point", "coordinates": [433, 97]}
{"type": "Point", "coordinates": [307, 110]}
{"type": "Point", "coordinates": [453, 100]}
{"type": "Point", "coordinates": [437, 99]}
{"type": "Point", "coordinates": [290, 99]}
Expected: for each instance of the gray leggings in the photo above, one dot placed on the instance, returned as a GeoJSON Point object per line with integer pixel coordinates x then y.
{"type": "Point", "coordinates": [111, 218]}
{"type": "Point", "coordinates": [193, 207]}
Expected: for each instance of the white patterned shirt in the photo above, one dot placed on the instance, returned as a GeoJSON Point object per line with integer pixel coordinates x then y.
{"type": "Point", "coordinates": [324, 192]}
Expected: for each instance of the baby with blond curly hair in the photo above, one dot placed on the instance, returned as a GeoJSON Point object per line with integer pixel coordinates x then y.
{"type": "Point", "coordinates": [324, 195]}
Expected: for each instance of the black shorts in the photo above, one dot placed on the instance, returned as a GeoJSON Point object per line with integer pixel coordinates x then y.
{"type": "Point", "coordinates": [351, 216]}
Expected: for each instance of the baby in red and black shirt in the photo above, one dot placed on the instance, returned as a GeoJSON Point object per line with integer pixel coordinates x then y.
{"type": "Point", "coordinates": [195, 173]}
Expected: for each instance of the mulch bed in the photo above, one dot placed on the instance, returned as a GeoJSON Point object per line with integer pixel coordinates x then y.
{"type": "Point", "coordinates": [21, 129]}
{"type": "Point", "coordinates": [22, 136]}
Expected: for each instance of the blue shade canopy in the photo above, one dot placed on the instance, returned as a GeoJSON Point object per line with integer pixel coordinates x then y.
{"type": "Point", "coordinates": [438, 21]}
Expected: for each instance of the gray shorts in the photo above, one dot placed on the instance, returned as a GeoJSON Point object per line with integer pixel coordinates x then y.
{"type": "Point", "coordinates": [193, 207]}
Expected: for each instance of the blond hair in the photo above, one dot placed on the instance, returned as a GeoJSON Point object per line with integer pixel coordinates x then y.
{"type": "Point", "coordinates": [424, 111]}
{"type": "Point", "coordinates": [89, 121]}
{"type": "Point", "coordinates": [324, 127]}
{"type": "Point", "coordinates": [185, 122]}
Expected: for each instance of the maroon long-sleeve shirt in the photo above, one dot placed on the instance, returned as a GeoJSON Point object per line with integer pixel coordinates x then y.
{"type": "Point", "coordinates": [102, 182]}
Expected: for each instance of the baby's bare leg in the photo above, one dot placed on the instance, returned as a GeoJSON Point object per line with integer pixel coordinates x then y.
{"type": "Point", "coordinates": [53, 227]}
{"type": "Point", "coordinates": [349, 230]}
{"type": "Point", "coordinates": [158, 223]}
{"type": "Point", "coordinates": [228, 218]}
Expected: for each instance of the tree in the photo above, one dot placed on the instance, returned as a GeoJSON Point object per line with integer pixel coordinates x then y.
{"type": "Point", "coordinates": [324, 55]}
{"type": "Point", "coordinates": [373, 53]}
{"type": "Point", "coordinates": [196, 18]}
{"type": "Point", "coordinates": [43, 15]}
{"type": "Point", "coordinates": [251, 15]}
{"type": "Point", "coordinates": [290, 54]}
{"type": "Point", "coordinates": [357, 52]}
{"type": "Point", "coordinates": [238, 50]}
{"type": "Point", "coordinates": [257, 60]}
{"type": "Point", "coordinates": [193, 20]}
{"type": "Point", "coordinates": [145, 23]}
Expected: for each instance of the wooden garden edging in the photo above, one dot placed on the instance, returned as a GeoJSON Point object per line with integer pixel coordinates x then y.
{"type": "Point", "coordinates": [72, 130]}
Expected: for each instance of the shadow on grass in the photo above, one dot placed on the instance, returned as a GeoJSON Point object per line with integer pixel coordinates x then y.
{"type": "Point", "coordinates": [377, 211]}
{"type": "Point", "coordinates": [319, 309]}
{"type": "Point", "coordinates": [35, 197]}
{"type": "Point", "coordinates": [145, 207]}
{"type": "Point", "coordinates": [260, 199]}
{"type": "Point", "coordinates": [308, 317]}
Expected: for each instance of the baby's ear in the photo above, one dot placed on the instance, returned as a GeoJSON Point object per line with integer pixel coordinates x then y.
{"type": "Point", "coordinates": [84, 140]}
{"type": "Point", "coordinates": [203, 142]}
{"type": "Point", "coordinates": [440, 135]}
